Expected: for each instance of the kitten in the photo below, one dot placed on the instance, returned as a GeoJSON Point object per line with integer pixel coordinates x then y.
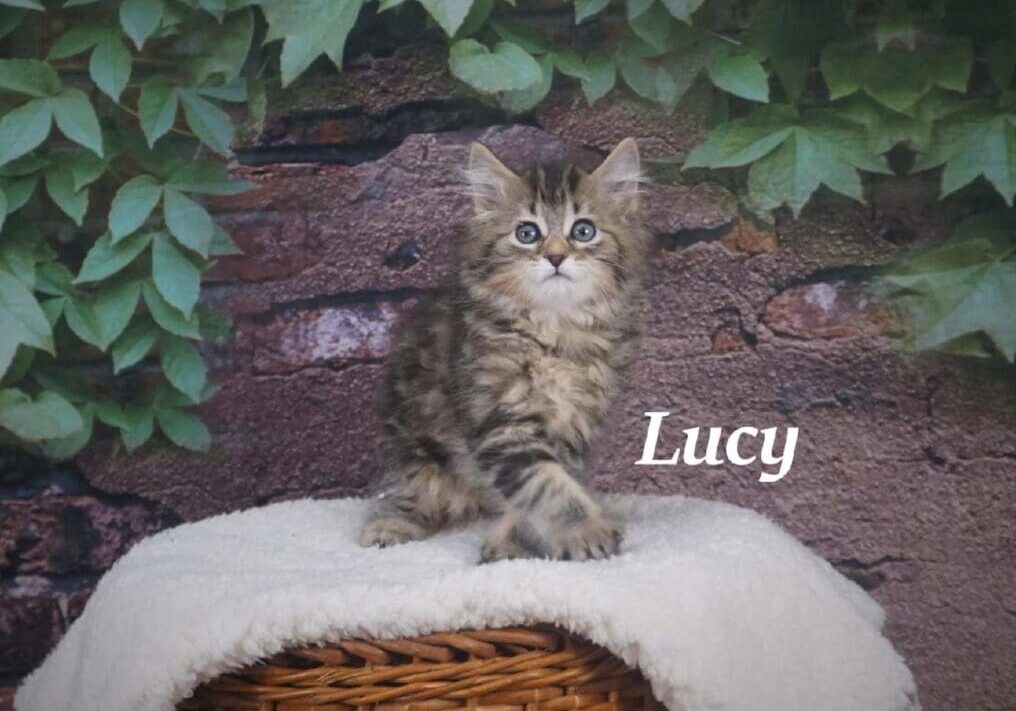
{"type": "Point", "coordinates": [497, 385]}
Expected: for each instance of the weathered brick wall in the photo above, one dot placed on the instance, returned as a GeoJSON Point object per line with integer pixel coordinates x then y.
{"type": "Point", "coordinates": [906, 469]}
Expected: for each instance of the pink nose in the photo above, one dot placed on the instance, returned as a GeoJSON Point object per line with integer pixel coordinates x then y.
{"type": "Point", "coordinates": [555, 259]}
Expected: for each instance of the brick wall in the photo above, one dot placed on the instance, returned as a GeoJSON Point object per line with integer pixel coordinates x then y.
{"type": "Point", "coordinates": [906, 468]}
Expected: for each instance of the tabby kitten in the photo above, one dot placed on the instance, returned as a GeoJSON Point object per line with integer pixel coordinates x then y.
{"type": "Point", "coordinates": [497, 384]}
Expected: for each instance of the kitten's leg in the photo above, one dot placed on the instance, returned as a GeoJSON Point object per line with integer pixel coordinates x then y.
{"type": "Point", "coordinates": [548, 513]}
{"type": "Point", "coordinates": [419, 499]}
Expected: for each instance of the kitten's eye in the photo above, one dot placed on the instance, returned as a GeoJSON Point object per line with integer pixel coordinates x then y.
{"type": "Point", "coordinates": [583, 231]}
{"type": "Point", "coordinates": [527, 233]}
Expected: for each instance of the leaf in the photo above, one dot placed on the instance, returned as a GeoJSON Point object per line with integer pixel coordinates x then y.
{"type": "Point", "coordinates": [449, 14]}
{"type": "Point", "coordinates": [132, 205]}
{"type": "Point", "coordinates": [140, 19]}
{"type": "Point", "coordinates": [47, 417]}
{"type": "Point", "coordinates": [28, 76]}
{"type": "Point", "coordinates": [105, 258]}
{"type": "Point", "coordinates": [309, 28]}
{"type": "Point", "coordinates": [26, 165]}
{"type": "Point", "coordinates": [739, 73]}
{"type": "Point", "coordinates": [85, 168]}
{"type": "Point", "coordinates": [584, 9]}
{"type": "Point", "coordinates": [184, 429]}
{"type": "Point", "coordinates": [183, 367]}
{"type": "Point", "coordinates": [187, 221]}
{"type": "Point", "coordinates": [24, 128]}
{"type": "Point", "coordinates": [222, 244]}
{"type": "Point", "coordinates": [682, 9]}
{"type": "Point", "coordinates": [964, 286]}
{"type": "Point", "coordinates": [140, 425]}
{"type": "Point", "coordinates": [134, 344]}
{"type": "Point", "coordinates": [507, 68]}
{"type": "Point", "coordinates": [1001, 59]}
{"type": "Point", "coordinates": [176, 277]}
{"type": "Point", "coordinates": [63, 448]}
{"type": "Point", "coordinates": [653, 25]}
{"type": "Point", "coordinates": [115, 306]}
{"type": "Point", "coordinates": [81, 37]}
{"type": "Point", "coordinates": [157, 105]}
{"type": "Point", "coordinates": [17, 192]}
{"type": "Point", "coordinates": [525, 35]}
{"type": "Point", "coordinates": [225, 47]}
{"type": "Point", "coordinates": [83, 321]}
{"type": "Point", "coordinates": [110, 66]}
{"type": "Point", "coordinates": [60, 186]}
{"type": "Point", "coordinates": [167, 317]}
{"type": "Point", "coordinates": [207, 178]}
{"type": "Point", "coordinates": [3, 208]}
{"type": "Point", "coordinates": [26, 4]}
{"type": "Point", "coordinates": [210, 123]}
{"type": "Point", "coordinates": [21, 318]}
{"type": "Point", "coordinates": [896, 77]}
{"type": "Point", "coordinates": [54, 278]}
{"type": "Point", "coordinates": [76, 118]}
{"type": "Point", "coordinates": [979, 140]}
{"type": "Point", "coordinates": [601, 73]}
{"type": "Point", "coordinates": [10, 19]}
{"type": "Point", "coordinates": [524, 100]}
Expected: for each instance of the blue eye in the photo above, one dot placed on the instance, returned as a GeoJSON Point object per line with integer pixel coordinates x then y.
{"type": "Point", "coordinates": [583, 231]}
{"type": "Point", "coordinates": [527, 233]}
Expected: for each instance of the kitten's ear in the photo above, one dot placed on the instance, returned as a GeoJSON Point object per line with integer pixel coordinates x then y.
{"type": "Point", "coordinates": [620, 174]}
{"type": "Point", "coordinates": [491, 182]}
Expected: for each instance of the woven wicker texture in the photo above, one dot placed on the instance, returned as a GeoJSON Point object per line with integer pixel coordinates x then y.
{"type": "Point", "coordinates": [486, 670]}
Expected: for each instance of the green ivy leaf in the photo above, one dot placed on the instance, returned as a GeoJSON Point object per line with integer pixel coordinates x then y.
{"type": "Point", "coordinates": [222, 244]}
{"type": "Point", "coordinates": [210, 123]}
{"type": "Point", "coordinates": [83, 321]}
{"type": "Point", "coordinates": [524, 100]}
{"type": "Point", "coordinates": [964, 286]}
{"type": "Point", "coordinates": [176, 277]}
{"type": "Point", "coordinates": [60, 186]}
{"type": "Point", "coordinates": [739, 73]}
{"type": "Point", "coordinates": [169, 318]}
{"type": "Point", "coordinates": [507, 68]}
{"type": "Point", "coordinates": [47, 417]}
{"type": "Point", "coordinates": [584, 9]}
{"type": "Point", "coordinates": [682, 9]}
{"type": "Point", "coordinates": [309, 28]}
{"type": "Point", "coordinates": [3, 208]}
{"type": "Point", "coordinates": [28, 76]}
{"type": "Point", "coordinates": [157, 105]}
{"type": "Point", "coordinates": [135, 343]}
{"type": "Point", "coordinates": [81, 37]}
{"type": "Point", "coordinates": [63, 448]}
{"type": "Point", "coordinates": [10, 19]}
{"type": "Point", "coordinates": [183, 367]}
{"type": "Point", "coordinates": [76, 118]}
{"type": "Point", "coordinates": [188, 221]}
{"type": "Point", "coordinates": [601, 73]}
{"type": "Point", "coordinates": [140, 425]}
{"type": "Point", "coordinates": [207, 178]}
{"type": "Point", "coordinates": [654, 25]}
{"type": "Point", "coordinates": [24, 128]}
{"type": "Point", "coordinates": [525, 35]}
{"type": "Point", "coordinates": [980, 140]}
{"type": "Point", "coordinates": [22, 321]}
{"type": "Point", "coordinates": [184, 429]}
{"type": "Point", "coordinates": [132, 205]}
{"type": "Point", "coordinates": [26, 4]}
{"type": "Point", "coordinates": [17, 193]}
{"type": "Point", "coordinates": [110, 65]}
{"type": "Point", "coordinates": [105, 258]}
{"type": "Point", "coordinates": [224, 48]}
{"type": "Point", "coordinates": [115, 306]}
{"type": "Point", "coordinates": [1001, 58]}
{"type": "Point", "coordinates": [54, 278]}
{"type": "Point", "coordinates": [85, 167]}
{"type": "Point", "coordinates": [449, 14]}
{"type": "Point", "coordinates": [140, 19]}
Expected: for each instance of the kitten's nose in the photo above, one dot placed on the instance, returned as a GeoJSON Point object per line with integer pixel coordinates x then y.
{"type": "Point", "coordinates": [555, 259]}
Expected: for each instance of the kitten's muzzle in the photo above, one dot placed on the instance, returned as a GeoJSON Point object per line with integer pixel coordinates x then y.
{"type": "Point", "coordinates": [556, 259]}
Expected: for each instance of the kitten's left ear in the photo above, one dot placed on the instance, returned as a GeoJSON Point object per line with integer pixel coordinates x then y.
{"type": "Point", "coordinates": [491, 182]}
{"type": "Point", "coordinates": [620, 174]}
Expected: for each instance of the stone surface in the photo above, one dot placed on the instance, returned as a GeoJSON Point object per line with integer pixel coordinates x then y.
{"type": "Point", "coordinates": [29, 626]}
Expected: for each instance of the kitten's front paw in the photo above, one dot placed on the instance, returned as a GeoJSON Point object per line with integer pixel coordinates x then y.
{"type": "Point", "coordinates": [593, 538]}
{"type": "Point", "coordinates": [389, 531]}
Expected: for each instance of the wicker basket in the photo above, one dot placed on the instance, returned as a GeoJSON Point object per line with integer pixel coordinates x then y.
{"type": "Point", "coordinates": [486, 670]}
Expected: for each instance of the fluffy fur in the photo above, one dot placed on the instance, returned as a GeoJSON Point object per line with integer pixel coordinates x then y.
{"type": "Point", "coordinates": [498, 383]}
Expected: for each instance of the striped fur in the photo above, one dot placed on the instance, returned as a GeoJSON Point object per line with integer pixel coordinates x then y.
{"type": "Point", "coordinates": [498, 383]}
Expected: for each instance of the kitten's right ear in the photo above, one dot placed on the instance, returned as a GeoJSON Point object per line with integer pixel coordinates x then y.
{"type": "Point", "coordinates": [491, 182]}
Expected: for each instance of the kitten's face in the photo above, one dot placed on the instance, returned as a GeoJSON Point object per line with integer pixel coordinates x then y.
{"type": "Point", "coordinates": [556, 238]}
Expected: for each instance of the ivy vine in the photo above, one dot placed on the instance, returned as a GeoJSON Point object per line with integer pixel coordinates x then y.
{"type": "Point", "coordinates": [117, 117]}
